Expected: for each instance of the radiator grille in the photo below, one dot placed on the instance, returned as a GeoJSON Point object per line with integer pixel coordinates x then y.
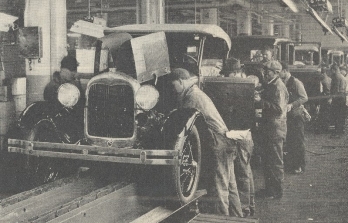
{"type": "Point", "coordinates": [111, 111]}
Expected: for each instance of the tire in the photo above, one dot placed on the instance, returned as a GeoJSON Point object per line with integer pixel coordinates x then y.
{"type": "Point", "coordinates": [185, 177]}
{"type": "Point", "coordinates": [41, 170]}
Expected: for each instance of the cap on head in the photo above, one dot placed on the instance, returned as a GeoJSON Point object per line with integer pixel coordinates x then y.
{"type": "Point", "coordinates": [273, 65]}
{"type": "Point", "coordinates": [343, 72]}
{"type": "Point", "coordinates": [285, 65]}
{"type": "Point", "coordinates": [334, 66]}
{"type": "Point", "coordinates": [236, 66]}
{"type": "Point", "coordinates": [69, 62]}
{"type": "Point", "coordinates": [180, 73]}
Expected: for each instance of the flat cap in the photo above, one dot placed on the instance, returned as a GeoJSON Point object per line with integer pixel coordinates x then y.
{"type": "Point", "coordinates": [180, 73]}
{"type": "Point", "coordinates": [273, 65]}
{"type": "Point", "coordinates": [69, 62]}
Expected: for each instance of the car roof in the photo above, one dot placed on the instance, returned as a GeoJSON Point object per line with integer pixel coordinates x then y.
{"type": "Point", "coordinates": [335, 52]}
{"type": "Point", "coordinates": [276, 39]}
{"type": "Point", "coordinates": [208, 29]}
{"type": "Point", "coordinates": [307, 47]}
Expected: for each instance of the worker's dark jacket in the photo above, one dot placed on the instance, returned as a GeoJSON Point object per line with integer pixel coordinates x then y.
{"type": "Point", "coordinates": [297, 96]}
{"type": "Point", "coordinates": [338, 85]}
{"type": "Point", "coordinates": [51, 89]}
{"type": "Point", "coordinates": [274, 102]}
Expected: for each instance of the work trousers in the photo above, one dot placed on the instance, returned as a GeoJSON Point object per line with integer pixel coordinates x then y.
{"type": "Point", "coordinates": [324, 118]}
{"type": "Point", "coordinates": [338, 112]}
{"type": "Point", "coordinates": [245, 181]}
{"type": "Point", "coordinates": [295, 142]}
{"type": "Point", "coordinates": [223, 191]}
{"type": "Point", "coordinates": [274, 132]}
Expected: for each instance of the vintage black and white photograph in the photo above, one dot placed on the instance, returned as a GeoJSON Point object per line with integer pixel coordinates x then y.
{"type": "Point", "coordinates": [174, 111]}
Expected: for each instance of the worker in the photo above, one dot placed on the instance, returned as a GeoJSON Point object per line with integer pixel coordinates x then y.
{"type": "Point", "coordinates": [274, 100]}
{"type": "Point", "coordinates": [267, 54]}
{"type": "Point", "coordinates": [224, 188]}
{"type": "Point", "coordinates": [295, 139]}
{"type": "Point", "coordinates": [67, 74]}
{"type": "Point", "coordinates": [338, 101]}
{"type": "Point", "coordinates": [237, 70]}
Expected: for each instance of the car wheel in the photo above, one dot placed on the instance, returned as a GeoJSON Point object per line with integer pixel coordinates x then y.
{"type": "Point", "coordinates": [185, 176]}
{"type": "Point", "coordinates": [41, 170]}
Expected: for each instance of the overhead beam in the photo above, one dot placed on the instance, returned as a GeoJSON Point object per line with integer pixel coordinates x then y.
{"type": "Point", "coordinates": [190, 5]}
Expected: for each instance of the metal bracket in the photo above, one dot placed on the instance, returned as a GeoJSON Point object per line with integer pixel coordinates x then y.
{"type": "Point", "coordinates": [143, 156]}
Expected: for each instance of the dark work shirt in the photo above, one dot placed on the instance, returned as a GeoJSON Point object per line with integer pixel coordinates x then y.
{"type": "Point", "coordinates": [297, 92]}
{"type": "Point", "coordinates": [326, 82]}
{"type": "Point", "coordinates": [338, 84]}
{"type": "Point", "coordinates": [196, 98]}
{"type": "Point", "coordinates": [274, 100]}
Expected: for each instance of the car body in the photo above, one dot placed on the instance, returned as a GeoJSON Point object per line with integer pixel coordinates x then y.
{"type": "Point", "coordinates": [332, 56]}
{"type": "Point", "coordinates": [130, 115]}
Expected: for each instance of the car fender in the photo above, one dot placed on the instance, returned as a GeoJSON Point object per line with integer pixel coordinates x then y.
{"type": "Point", "coordinates": [36, 111]}
{"type": "Point", "coordinates": [179, 123]}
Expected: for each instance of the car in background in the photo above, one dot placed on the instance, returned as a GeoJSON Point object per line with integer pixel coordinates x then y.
{"type": "Point", "coordinates": [303, 58]}
{"type": "Point", "coordinates": [331, 56]}
{"type": "Point", "coordinates": [306, 65]}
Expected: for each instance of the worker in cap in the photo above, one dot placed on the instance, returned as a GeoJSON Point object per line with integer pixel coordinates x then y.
{"type": "Point", "coordinates": [295, 139]}
{"type": "Point", "coordinates": [274, 100]}
{"type": "Point", "coordinates": [222, 186]}
{"type": "Point", "coordinates": [338, 102]}
{"type": "Point", "coordinates": [67, 74]}
{"type": "Point", "coordinates": [237, 70]}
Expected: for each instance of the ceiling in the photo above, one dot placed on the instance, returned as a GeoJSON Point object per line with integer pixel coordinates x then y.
{"type": "Point", "coordinates": [123, 12]}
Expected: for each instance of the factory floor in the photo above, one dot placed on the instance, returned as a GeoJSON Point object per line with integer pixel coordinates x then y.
{"type": "Point", "coordinates": [320, 194]}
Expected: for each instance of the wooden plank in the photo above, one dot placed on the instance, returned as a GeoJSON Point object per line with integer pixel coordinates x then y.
{"type": "Point", "coordinates": [154, 215]}
{"type": "Point", "coordinates": [78, 202]}
{"type": "Point", "coordinates": [160, 213]}
{"type": "Point", "coordinates": [44, 202]}
{"type": "Point", "coordinates": [36, 191]}
{"type": "Point", "coordinates": [207, 218]}
{"type": "Point", "coordinates": [120, 206]}
{"type": "Point", "coordinates": [123, 205]}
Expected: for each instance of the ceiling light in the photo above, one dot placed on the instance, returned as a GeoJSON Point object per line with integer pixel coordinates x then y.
{"type": "Point", "coordinates": [88, 28]}
{"type": "Point", "coordinates": [339, 34]}
{"type": "Point", "coordinates": [323, 24]}
{"type": "Point", "coordinates": [291, 5]}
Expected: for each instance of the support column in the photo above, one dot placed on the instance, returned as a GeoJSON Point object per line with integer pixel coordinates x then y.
{"type": "Point", "coordinates": [150, 11]}
{"type": "Point", "coordinates": [244, 23]}
{"type": "Point", "coordinates": [298, 32]}
{"type": "Point", "coordinates": [285, 30]}
{"type": "Point", "coordinates": [268, 26]}
{"type": "Point", "coordinates": [51, 17]}
{"type": "Point", "coordinates": [210, 16]}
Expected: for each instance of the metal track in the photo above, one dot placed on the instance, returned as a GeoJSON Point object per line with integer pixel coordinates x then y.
{"type": "Point", "coordinates": [49, 201]}
{"type": "Point", "coordinates": [85, 200]}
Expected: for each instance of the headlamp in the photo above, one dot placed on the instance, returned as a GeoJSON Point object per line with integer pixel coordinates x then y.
{"type": "Point", "coordinates": [147, 97]}
{"type": "Point", "coordinates": [68, 95]}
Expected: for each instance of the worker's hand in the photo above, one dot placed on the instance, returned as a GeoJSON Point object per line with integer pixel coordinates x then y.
{"type": "Point", "coordinates": [257, 97]}
{"type": "Point", "coordinates": [329, 101]}
{"type": "Point", "coordinates": [288, 107]}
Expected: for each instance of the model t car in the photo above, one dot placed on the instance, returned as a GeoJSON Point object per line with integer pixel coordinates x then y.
{"type": "Point", "coordinates": [129, 115]}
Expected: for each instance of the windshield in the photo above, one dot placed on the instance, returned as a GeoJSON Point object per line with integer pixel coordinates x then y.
{"type": "Point", "coordinates": [214, 54]}
{"type": "Point", "coordinates": [250, 50]}
{"type": "Point", "coordinates": [305, 57]}
{"type": "Point", "coordinates": [337, 59]}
